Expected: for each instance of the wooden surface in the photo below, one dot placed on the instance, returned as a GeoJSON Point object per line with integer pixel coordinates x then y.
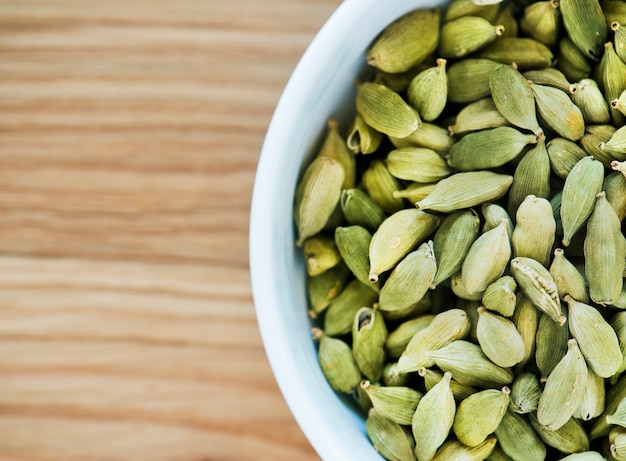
{"type": "Point", "coordinates": [129, 136]}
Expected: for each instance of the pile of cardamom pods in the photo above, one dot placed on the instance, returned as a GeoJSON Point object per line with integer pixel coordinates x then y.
{"type": "Point", "coordinates": [464, 234]}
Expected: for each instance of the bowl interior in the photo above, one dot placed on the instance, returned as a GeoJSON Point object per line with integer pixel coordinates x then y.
{"type": "Point", "coordinates": [321, 87]}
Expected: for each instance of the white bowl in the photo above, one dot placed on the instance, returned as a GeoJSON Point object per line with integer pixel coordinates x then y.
{"type": "Point", "coordinates": [322, 86]}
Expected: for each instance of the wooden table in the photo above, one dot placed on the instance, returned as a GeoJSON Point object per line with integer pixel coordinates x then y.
{"type": "Point", "coordinates": [129, 136]}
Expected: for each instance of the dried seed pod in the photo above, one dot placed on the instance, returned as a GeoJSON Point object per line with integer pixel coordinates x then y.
{"type": "Point", "coordinates": [488, 149]}
{"type": "Point", "coordinates": [585, 25]}
{"type": "Point", "coordinates": [587, 96]}
{"type": "Point", "coordinates": [360, 210]}
{"type": "Point", "coordinates": [535, 230]}
{"type": "Point", "coordinates": [507, 18]}
{"type": "Point", "coordinates": [486, 259]}
{"type": "Point", "coordinates": [478, 115]}
{"type": "Point", "coordinates": [568, 279]}
{"type": "Point", "coordinates": [494, 214]}
{"type": "Point", "coordinates": [585, 456]}
{"type": "Point", "coordinates": [550, 344]}
{"type": "Point", "coordinates": [433, 419]}
{"type": "Point", "coordinates": [342, 309]}
{"type": "Point", "coordinates": [617, 440]}
{"type": "Point", "coordinates": [571, 61]}
{"type": "Point", "coordinates": [594, 136]}
{"type": "Point", "coordinates": [542, 21]}
{"type": "Point", "coordinates": [369, 333]}
{"type": "Point", "coordinates": [380, 185]}
{"type": "Point", "coordinates": [619, 103]}
{"type": "Point", "coordinates": [334, 146]}
{"type": "Point", "coordinates": [616, 145]}
{"type": "Point", "coordinates": [362, 138]}
{"type": "Point", "coordinates": [417, 164]}
{"type": "Point", "coordinates": [398, 339]}
{"type": "Point", "coordinates": [428, 135]}
{"type": "Point", "coordinates": [518, 439]}
{"type": "Point", "coordinates": [614, 397]}
{"type": "Point", "coordinates": [385, 110]}
{"type": "Point", "coordinates": [500, 296]}
{"type": "Point", "coordinates": [526, 320]}
{"type": "Point", "coordinates": [479, 415]}
{"type": "Point", "coordinates": [569, 438]}
{"type": "Point", "coordinates": [337, 364]}
{"type": "Point", "coordinates": [548, 76]}
{"type": "Point", "coordinates": [592, 403]}
{"type": "Point", "coordinates": [559, 112]}
{"type": "Point", "coordinates": [321, 254]}
{"type": "Point", "coordinates": [428, 91]}
{"type": "Point", "coordinates": [520, 110]}
{"type": "Point", "coordinates": [468, 79]}
{"type": "Point", "coordinates": [415, 191]}
{"type": "Point", "coordinates": [564, 154]}
{"type": "Point", "coordinates": [525, 393]}
{"type": "Point", "coordinates": [396, 237]}
{"type": "Point", "coordinates": [612, 78]}
{"type": "Point", "coordinates": [464, 35]}
{"type": "Point", "coordinates": [596, 338]}
{"type": "Point", "coordinates": [527, 53]}
{"type": "Point", "coordinates": [452, 241]}
{"type": "Point", "coordinates": [323, 288]}
{"type": "Point", "coordinates": [618, 323]}
{"type": "Point", "coordinates": [353, 245]}
{"type": "Point", "coordinates": [432, 377]}
{"type": "Point", "coordinates": [466, 190]}
{"type": "Point", "coordinates": [459, 8]}
{"type": "Point", "coordinates": [395, 51]}
{"type": "Point", "coordinates": [398, 403]}
{"type": "Point", "coordinates": [453, 449]}
{"type": "Point", "coordinates": [391, 440]}
{"type": "Point", "coordinates": [618, 417]}
{"type": "Point", "coordinates": [499, 339]}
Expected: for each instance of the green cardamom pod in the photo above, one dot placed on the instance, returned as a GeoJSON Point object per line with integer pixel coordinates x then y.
{"type": "Point", "coordinates": [526, 320]}
{"type": "Point", "coordinates": [594, 136]}
{"type": "Point", "coordinates": [542, 21]}
{"type": "Point", "coordinates": [468, 79]}
{"type": "Point", "coordinates": [550, 344]}
{"type": "Point", "coordinates": [396, 237]}
{"type": "Point", "coordinates": [585, 456]}
{"type": "Point", "coordinates": [433, 419]}
{"type": "Point", "coordinates": [614, 397]}
{"type": "Point", "coordinates": [453, 449]}
{"type": "Point", "coordinates": [362, 138]}
{"type": "Point", "coordinates": [605, 252]}
{"type": "Point", "coordinates": [428, 91]}
{"type": "Point", "coordinates": [360, 210]}
{"type": "Point", "coordinates": [369, 334]}
{"type": "Point", "coordinates": [353, 245]}
{"type": "Point", "coordinates": [417, 164]}
{"type": "Point", "coordinates": [432, 377]}
{"type": "Point", "coordinates": [408, 283]}
{"type": "Point", "coordinates": [452, 241]}
{"type": "Point", "coordinates": [535, 230]}
{"type": "Point", "coordinates": [612, 78]}
{"type": "Point", "coordinates": [499, 339]}
{"type": "Point", "coordinates": [564, 154]}
{"type": "Point", "coordinates": [488, 149]}
{"type": "Point", "coordinates": [479, 415]}
{"type": "Point", "coordinates": [592, 403]}
{"type": "Point", "coordinates": [569, 438]}
{"type": "Point", "coordinates": [415, 191]}
{"type": "Point", "coordinates": [618, 417]}
{"type": "Point", "coordinates": [548, 76]}
{"type": "Point", "coordinates": [587, 96]}
{"type": "Point", "coordinates": [380, 185]}
{"type": "Point", "coordinates": [613, 11]}
{"type": "Point", "coordinates": [392, 440]}
{"type": "Point", "coordinates": [569, 280]}
{"type": "Point", "coordinates": [507, 18]}
{"type": "Point", "coordinates": [596, 338]}
{"type": "Point", "coordinates": [428, 135]}
{"type": "Point", "coordinates": [342, 309]}
{"type": "Point", "coordinates": [538, 286]}
{"type": "Point", "coordinates": [559, 112]}
{"type": "Point", "coordinates": [323, 288]}
{"type": "Point", "coordinates": [464, 35]}
{"type": "Point", "coordinates": [618, 323]}
{"type": "Point", "coordinates": [336, 361]}
{"type": "Point", "coordinates": [571, 61]}
{"type": "Point", "coordinates": [478, 115]}
{"type": "Point", "coordinates": [518, 439]}
{"type": "Point", "coordinates": [581, 186]}
{"type": "Point", "coordinates": [525, 393]}
{"type": "Point", "coordinates": [616, 145]}
{"type": "Point", "coordinates": [398, 403]}
{"type": "Point", "coordinates": [500, 297]}
{"type": "Point", "coordinates": [398, 339]}
{"type": "Point", "coordinates": [334, 146]}
{"type": "Point", "coordinates": [395, 51]}
{"type": "Point", "coordinates": [619, 103]}
{"type": "Point", "coordinates": [458, 8]}
{"type": "Point", "coordinates": [466, 190]}
{"type": "Point", "coordinates": [617, 440]}
{"type": "Point", "coordinates": [527, 53]}
{"type": "Point", "coordinates": [585, 25]}
{"type": "Point", "coordinates": [494, 214]}
{"type": "Point", "coordinates": [320, 254]}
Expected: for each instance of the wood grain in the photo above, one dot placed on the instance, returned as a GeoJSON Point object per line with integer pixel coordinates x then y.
{"type": "Point", "coordinates": [129, 136]}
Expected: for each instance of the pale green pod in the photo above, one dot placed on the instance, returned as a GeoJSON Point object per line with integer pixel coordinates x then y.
{"type": "Point", "coordinates": [618, 323]}
{"type": "Point", "coordinates": [415, 191]}
{"type": "Point", "coordinates": [550, 344]}
{"type": "Point", "coordinates": [594, 136]}
{"type": "Point", "coordinates": [342, 309]}
{"type": "Point", "coordinates": [619, 103]}
{"type": "Point", "coordinates": [337, 363]}
{"type": "Point", "coordinates": [592, 403]}
{"type": "Point", "coordinates": [394, 50]}
{"type": "Point", "coordinates": [409, 281]}
{"type": "Point", "coordinates": [617, 440]}
{"type": "Point", "coordinates": [460, 290]}
{"type": "Point", "coordinates": [526, 320]}
{"type": "Point", "coordinates": [564, 389]}
{"type": "Point", "coordinates": [396, 237]}
{"type": "Point", "coordinates": [614, 10]}
{"type": "Point", "coordinates": [380, 185]}
{"type": "Point", "coordinates": [525, 393]}
{"type": "Point", "coordinates": [453, 449]}
{"type": "Point", "coordinates": [392, 440]}
{"type": "Point", "coordinates": [392, 378]}
{"type": "Point", "coordinates": [399, 81]}
{"type": "Point", "coordinates": [542, 21]}
{"type": "Point", "coordinates": [398, 403]}
{"type": "Point", "coordinates": [596, 338]}
{"type": "Point", "coordinates": [446, 327]}
{"type": "Point", "coordinates": [384, 110]}
{"type": "Point", "coordinates": [362, 138]}
{"type": "Point", "coordinates": [519, 110]}
{"type": "Point", "coordinates": [527, 53]}
{"type": "Point", "coordinates": [499, 339]}
{"type": "Point", "coordinates": [469, 365]}
{"type": "Point", "coordinates": [468, 79]}
{"type": "Point", "coordinates": [582, 185]}
{"type": "Point", "coordinates": [428, 135]}
{"type": "Point", "coordinates": [500, 296]}
{"type": "Point", "coordinates": [433, 419]}
{"type": "Point", "coordinates": [612, 78]}
{"type": "Point", "coordinates": [478, 115]}
{"type": "Point", "coordinates": [605, 253]}
{"type": "Point", "coordinates": [428, 91]}
{"type": "Point", "coordinates": [458, 8]}
{"type": "Point", "coordinates": [584, 456]}
{"type": "Point", "coordinates": [535, 230]}
{"type": "Point", "coordinates": [487, 259]}
{"type": "Point", "coordinates": [614, 396]}
{"type": "Point", "coordinates": [488, 149]}
{"type": "Point", "coordinates": [417, 164]}
{"type": "Point", "coordinates": [353, 245]}
{"type": "Point", "coordinates": [507, 17]}
{"type": "Point", "coordinates": [479, 415]}
{"type": "Point", "coordinates": [452, 241]}
{"type": "Point", "coordinates": [538, 286]}
{"type": "Point", "coordinates": [323, 288]}
{"type": "Point", "coordinates": [432, 377]}
{"type": "Point", "coordinates": [369, 333]}
{"type": "Point", "coordinates": [559, 112]}
{"type": "Point", "coordinates": [569, 280]}
{"type": "Point", "coordinates": [334, 146]}
{"type": "Point", "coordinates": [518, 439]}
{"type": "Point", "coordinates": [555, 203]}
{"type": "Point", "coordinates": [360, 210]}
{"type": "Point", "coordinates": [494, 214]}
{"type": "Point", "coordinates": [548, 76]}
{"type": "Point", "coordinates": [317, 196]}
{"type": "Point", "coordinates": [564, 154]}
{"type": "Point", "coordinates": [585, 25]}
{"type": "Point", "coordinates": [590, 100]}
{"type": "Point", "coordinates": [616, 145]}
{"type": "Point", "coordinates": [571, 61]}
{"type": "Point", "coordinates": [466, 190]}
{"type": "Point", "coordinates": [531, 177]}
{"type": "Point", "coordinates": [399, 338]}
{"type": "Point", "coordinates": [320, 254]}
{"type": "Point", "coordinates": [569, 438]}
{"type": "Point", "coordinates": [618, 417]}
{"type": "Point", "coordinates": [464, 35]}
{"type": "Point", "coordinates": [621, 301]}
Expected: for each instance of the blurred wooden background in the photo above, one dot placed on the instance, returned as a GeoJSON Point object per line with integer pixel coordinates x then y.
{"type": "Point", "coordinates": [129, 136]}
